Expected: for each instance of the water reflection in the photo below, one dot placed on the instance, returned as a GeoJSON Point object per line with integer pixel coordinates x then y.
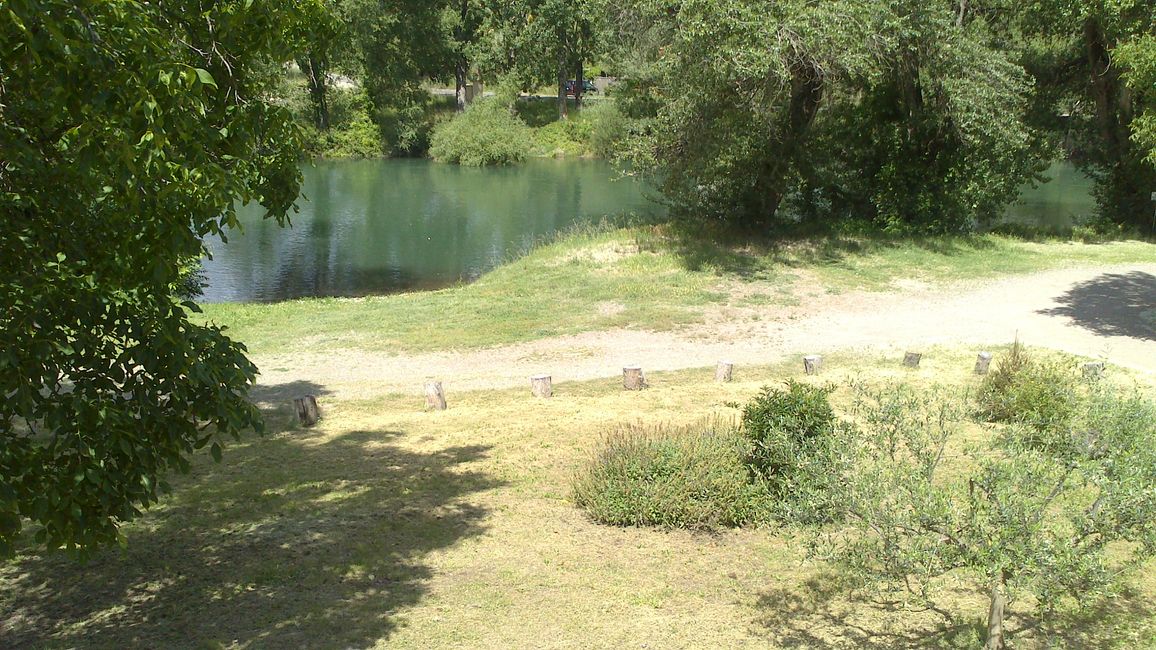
{"type": "Point", "coordinates": [393, 225]}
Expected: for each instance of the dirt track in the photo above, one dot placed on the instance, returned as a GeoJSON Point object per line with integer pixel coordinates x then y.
{"type": "Point", "coordinates": [1103, 312]}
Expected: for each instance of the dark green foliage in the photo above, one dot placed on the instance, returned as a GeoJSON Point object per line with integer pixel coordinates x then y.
{"type": "Point", "coordinates": [785, 424]}
{"type": "Point", "coordinates": [1024, 390]}
{"type": "Point", "coordinates": [129, 132]}
{"type": "Point", "coordinates": [890, 113]}
{"type": "Point", "coordinates": [791, 433]}
{"type": "Point", "coordinates": [674, 477]}
{"type": "Point", "coordinates": [487, 133]}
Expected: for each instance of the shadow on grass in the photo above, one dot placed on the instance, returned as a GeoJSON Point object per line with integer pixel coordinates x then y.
{"type": "Point", "coordinates": [821, 615]}
{"type": "Point", "coordinates": [1112, 304]}
{"type": "Point", "coordinates": [296, 540]}
{"type": "Point", "coordinates": [752, 255]}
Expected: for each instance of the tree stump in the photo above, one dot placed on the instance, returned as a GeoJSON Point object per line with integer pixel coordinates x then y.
{"type": "Point", "coordinates": [724, 371]}
{"type": "Point", "coordinates": [982, 363]}
{"type": "Point", "coordinates": [911, 359]}
{"type": "Point", "coordinates": [435, 396]}
{"type": "Point", "coordinates": [632, 378]}
{"type": "Point", "coordinates": [541, 386]}
{"type": "Point", "coordinates": [307, 412]}
{"type": "Point", "coordinates": [1093, 369]}
{"type": "Point", "coordinates": [812, 364]}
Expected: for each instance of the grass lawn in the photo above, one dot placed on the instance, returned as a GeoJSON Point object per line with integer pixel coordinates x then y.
{"type": "Point", "coordinates": [387, 526]}
{"type": "Point", "coordinates": [647, 277]}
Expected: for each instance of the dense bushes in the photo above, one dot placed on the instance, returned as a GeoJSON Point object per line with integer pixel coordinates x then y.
{"type": "Point", "coordinates": [689, 477]}
{"type": "Point", "coordinates": [487, 133]}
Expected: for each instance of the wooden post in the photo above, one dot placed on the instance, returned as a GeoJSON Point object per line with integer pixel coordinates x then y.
{"type": "Point", "coordinates": [911, 359]}
{"type": "Point", "coordinates": [812, 364]}
{"type": "Point", "coordinates": [1093, 369]}
{"type": "Point", "coordinates": [632, 378]}
{"type": "Point", "coordinates": [982, 363]}
{"type": "Point", "coordinates": [541, 386]}
{"type": "Point", "coordinates": [307, 412]}
{"type": "Point", "coordinates": [724, 371]}
{"type": "Point", "coordinates": [435, 396]}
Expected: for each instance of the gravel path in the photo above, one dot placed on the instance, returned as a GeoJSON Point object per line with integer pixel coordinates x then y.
{"type": "Point", "coordinates": [1102, 312]}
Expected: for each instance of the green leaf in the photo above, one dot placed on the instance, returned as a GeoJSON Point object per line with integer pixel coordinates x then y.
{"type": "Point", "coordinates": [215, 450]}
{"type": "Point", "coordinates": [205, 78]}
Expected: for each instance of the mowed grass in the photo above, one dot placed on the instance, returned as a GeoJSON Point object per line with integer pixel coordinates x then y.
{"type": "Point", "coordinates": [388, 526]}
{"type": "Point", "coordinates": [648, 277]}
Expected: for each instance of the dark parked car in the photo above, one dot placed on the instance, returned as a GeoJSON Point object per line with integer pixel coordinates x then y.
{"type": "Point", "coordinates": [587, 86]}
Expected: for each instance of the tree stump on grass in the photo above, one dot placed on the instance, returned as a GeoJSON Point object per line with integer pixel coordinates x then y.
{"type": "Point", "coordinates": [1093, 369]}
{"type": "Point", "coordinates": [435, 396]}
{"type": "Point", "coordinates": [307, 412]}
{"type": "Point", "coordinates": [982, 363]}
{"type": "Point", "coordinates": [541, 386]}
{"type": "Point", "coordinates": [632, 378]}
{"type": "Point", "coordinates": [724, 372]}
{"type": "Point", "coordinates": [912, 359]}
{"type": "Point", "coordinates": [812, 364]}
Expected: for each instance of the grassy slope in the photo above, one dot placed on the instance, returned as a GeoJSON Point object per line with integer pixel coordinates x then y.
{"type": "Point", "coordinates": [637, 277]}
{"type": "Point", "coordinates": [386, 526]}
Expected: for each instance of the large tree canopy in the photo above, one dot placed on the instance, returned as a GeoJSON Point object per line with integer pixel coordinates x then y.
{"type": "Point", "coordinates": [128, 132]}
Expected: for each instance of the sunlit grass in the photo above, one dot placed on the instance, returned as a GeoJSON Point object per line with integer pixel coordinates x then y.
{"type": "Point", "coordinates": [390, 526]}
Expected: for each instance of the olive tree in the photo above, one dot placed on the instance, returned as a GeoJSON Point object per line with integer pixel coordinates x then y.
{"type": "Point", "coordinates": [129, 131]}
{"type": "Point", "coordinates": [1031, 514]}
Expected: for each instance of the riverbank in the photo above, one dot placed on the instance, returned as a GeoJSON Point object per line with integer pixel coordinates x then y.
{"type": "Point", "coordinates": [649, 278]}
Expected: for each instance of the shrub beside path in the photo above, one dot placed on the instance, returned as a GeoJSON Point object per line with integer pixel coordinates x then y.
{"type": "Point", "coordinates": [1100, 312]}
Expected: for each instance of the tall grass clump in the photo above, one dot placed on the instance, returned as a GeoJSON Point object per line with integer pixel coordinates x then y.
{"type": "Point", "coordinates": [674, 477]}
{"type": "Point", "coordinates": [792, 433]}
{"type": "Point", "coordinates": [1024, 390]}
{"type": "Point", "coordinates": [486, 133]}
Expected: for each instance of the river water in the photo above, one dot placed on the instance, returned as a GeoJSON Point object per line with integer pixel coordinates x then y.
{"type": "Point", "coordinates": [384, 226]}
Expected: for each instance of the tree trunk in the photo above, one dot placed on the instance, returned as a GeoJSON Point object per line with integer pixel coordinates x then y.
{"type": "Point", "coordinates": [315, 74]}
{"type": "Point", "coordinates": [562, 87]}
{"type": "Point", "coordinates": [807, 87]}
{"type": "Point", "coordinates": [995, 617]}
{"type": "Point", "coordinates": [460, 84]}
{"type": "Point", "coordinates": [578, 86]}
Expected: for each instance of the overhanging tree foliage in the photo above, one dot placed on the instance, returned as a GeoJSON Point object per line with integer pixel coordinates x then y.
{"type": "Point", "coordinates": [128, 132]}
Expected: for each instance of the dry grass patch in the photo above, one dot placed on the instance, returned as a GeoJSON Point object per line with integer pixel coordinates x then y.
{"type": "Point", "coordinates": [387, 526]}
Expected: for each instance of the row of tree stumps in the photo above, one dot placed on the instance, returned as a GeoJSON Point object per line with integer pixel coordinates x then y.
{"type": "Point", "coordinates": [633, 378]}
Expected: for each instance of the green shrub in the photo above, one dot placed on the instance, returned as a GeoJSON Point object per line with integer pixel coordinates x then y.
{"type": "Point", "coordinates": [608, 127]}
{"type": "Point", "coordinates": [564, 136]}
{"type": "Point", "coordinates": [1023, 390]}
{"type": "Point", "coordinates": [689, 477]}
{"type": "Point", "coordinates": [487, 133]}
{"type": "Point", "coordinates": [791, 435]}
{"type": "Point", "coordinates": [782, 424]}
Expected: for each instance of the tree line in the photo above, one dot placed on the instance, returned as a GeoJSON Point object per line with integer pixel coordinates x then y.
{"type": "Point", "coordinates": [903, 115]}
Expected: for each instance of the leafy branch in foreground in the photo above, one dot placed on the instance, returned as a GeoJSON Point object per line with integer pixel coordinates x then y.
{"type": "Point", "coordinates": [128, 132]}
